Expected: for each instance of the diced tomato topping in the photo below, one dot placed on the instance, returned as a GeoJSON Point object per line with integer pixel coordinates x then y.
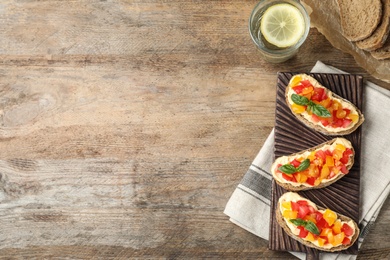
{"type": "Point", "coordinates": [294, 206]}
{"type": "Point", "coordinates": [346, 122]}
{"type": "Point", "coordinates": [298, 89]}
{"type": "Point", "coordinates": [287, 177]}
{"type": "Point", "coordinates": [295, 163]}
{"type": "Point", "coordinates": [306, 83]}
{"type": "Point", "coordinates": [322, 223]}
{"type": "Point", "coordinates": [318, 216]}
{"type": "Point", "coordinates": [311, 180]}
{"type": "Point", "coordinates": [302, 202]}
{"type": "Point", "coordinates": [346, 241]}
{"type": "Point", "coordinates": [347, 111]}
{"type": "Point", "coordinates": [348, 231]}
{"type": "Point", "coordinates": [329, 153]}
{"type": "Point", "coordinates": [311, 209]}
{"type": "Point", "coordinates": [303, 211]}
{"type": "Point", "coordinates": [344, 169]}
{"type": "Point", "coordinates": [302, 232]}
{"type": "Point", "coordinates": [346, 155]}
{"type": "Point", "coordinates": [321, 154]}
{"type": "Point", "coordinates": [319, 94]}
{"type": "Point", "coordinates": [315, 118]}
{"type": "Point", "coordinates": [325, 122]}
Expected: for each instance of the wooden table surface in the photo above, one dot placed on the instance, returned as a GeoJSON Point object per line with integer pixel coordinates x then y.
{"type": "Point", "coordinates": [126, 125]}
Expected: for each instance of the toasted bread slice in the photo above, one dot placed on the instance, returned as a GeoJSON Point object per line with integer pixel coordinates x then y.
{"type": "Point", "coordinates": [293, 232]}
{"type": "Point", "coordinates": [336, 122]}
{"type": "Point", "coordinates": [359, 18]}
{"type": "Point", "coordinates": [378, 38]}
{"type": "Point", "coordinates": [337, 155]}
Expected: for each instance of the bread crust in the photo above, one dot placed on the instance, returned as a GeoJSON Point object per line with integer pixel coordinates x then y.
{"type": "Point", "coordinates": [290, 187]}
{"type": "Point", "coordinates": [319, 127]}
{"type": "Point", "coordinates": [281, 221]}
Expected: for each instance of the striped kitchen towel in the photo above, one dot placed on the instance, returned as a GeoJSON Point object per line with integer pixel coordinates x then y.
{"type": "Point", "coordinates": [249, 205]}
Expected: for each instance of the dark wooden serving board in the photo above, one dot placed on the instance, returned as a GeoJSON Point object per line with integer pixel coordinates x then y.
{"type": "Point", "coordinates": [292, 136]}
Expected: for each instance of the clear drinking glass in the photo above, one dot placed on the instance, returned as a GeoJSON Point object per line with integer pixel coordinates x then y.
{"type": "Point", "coordinates": [268, 51]}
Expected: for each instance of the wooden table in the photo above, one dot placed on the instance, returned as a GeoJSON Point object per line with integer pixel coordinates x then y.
{"type": "Point", "coordinates": [126, 126]}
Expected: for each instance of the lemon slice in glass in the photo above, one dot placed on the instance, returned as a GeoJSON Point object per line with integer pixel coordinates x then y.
{"type": "Point", "coordinates": [282, 25]}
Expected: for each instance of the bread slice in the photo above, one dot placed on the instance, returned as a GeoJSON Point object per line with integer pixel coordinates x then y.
{"type": "Point", "coordinates": [359, 18]}
{"type": "Point", "coordinates": [305, 119]}
{"type": "Point", "coordinates": [378, 38]}
{"type": "Point", "coordinates": [294, 186]}
{"type": "Point", "coordinates": [382, 53]}
{"type": "Point", "coordinates": [282, 222]}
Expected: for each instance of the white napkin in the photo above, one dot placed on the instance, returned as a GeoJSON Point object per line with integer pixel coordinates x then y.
{"type": "Point", "coordinates": [249, 205]}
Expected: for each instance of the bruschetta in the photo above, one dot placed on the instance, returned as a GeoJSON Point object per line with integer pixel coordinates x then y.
{"type": "Point", "coordinates": [316, 167]}
{"type": "Point", "coordinates": [321, 109]}
{"type": "Point", "coordinates": [315, 226]}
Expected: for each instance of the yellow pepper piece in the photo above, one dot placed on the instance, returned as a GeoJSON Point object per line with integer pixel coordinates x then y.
{"type": "Point", "coordinates": [353, 117]}
{"type": "Point", "coordinates": [298, 108]}
{"type": "Point", "coordinates": [337, 227]}
{"type": "Point", "coordinates": [310, 237]}
{"type": "Point", "coordinates": [312, 156]}
{"type": "Point", "coordinates": [325, 172]}
{"type": "Point", "coordinates": [286, 205]}
{"type": "Point", "coordinates": [329, 216]}
{"type": "Point", "coordinates": [321, 241]}
{"type": "Point", "coordinates": [289, 214]}
{"type": "Point", "coordinates": [295, 81]}
{"type": "Point", "coordinates": [340, 147]}
{"type": "Point", "coordinates": [338, 239]}
{"type": "Point", "coordinates": [329, 161]}
{"type": "Point", "coordinates": [337, 154]}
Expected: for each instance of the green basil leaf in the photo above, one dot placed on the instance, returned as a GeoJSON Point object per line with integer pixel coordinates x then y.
{"type": "Point", "coordinates": [320, 110]}
{"type": "Point", "coordinates": [312, 228]}
{"type": "Point", "coordinates": [298, 222]}
{"type": "Point", "coordinates": [303, 165]}
{"type": "Point", "coordinates": [299, 100]}
{"type": "Point", "coordinates": [287, 168]}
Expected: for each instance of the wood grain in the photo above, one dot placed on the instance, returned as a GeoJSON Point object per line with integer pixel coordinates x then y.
{"type": "Point", "coordinates": [126, 125]}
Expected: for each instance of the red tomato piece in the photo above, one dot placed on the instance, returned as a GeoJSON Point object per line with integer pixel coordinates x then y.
{"type": "Point", "coordinates": [346, 155]}
{"type": "Point", "coordinates": [287, 177]}
{"type": "Point", "coordinates": [303, 211]}
{"type": "Point", "coordinates": [311, 180]}
{"type": "Point", "coordinates": [325, 122]}
{"type": "Point", "coordinates": [346, 241]}
{"type": "Point", "coordinates": [302, 202]}
{"type": "Point", "coordinates": [306, 83]}
{"type": "Point", "coordinates": [294, 206]}
{"type": "Point", "coordinates": [348, 231]}
{"type": "Point", "coordinates": [347, 111]}
{"type": "Point", "coordinates": [329, 153]}
{"type": "Point", "coordinates": [298, 89]}
{"type": "Point", "coordinates": [318, 216]}
{"type": "Point", "coordinates": [344, 169]}
{"type": "Point", "coordinates": [321, 154]}
{"type": "Point", "coordinates": [315, 118]}
{"type": "Point", "coordinates": [311, 209]}
{"type": "Point", "coordinates": [322, 223]}
{"type": "Point", "coordinates": [346, 122]}
{"type": "Point", "coordinates": [302, 232]}
{"type": "Point", "coordinates": [295, 163]}
{"type": "Point", "coordinates": [318, 94]}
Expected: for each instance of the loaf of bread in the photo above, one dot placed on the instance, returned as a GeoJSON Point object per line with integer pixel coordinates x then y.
{"type": "Point", "coordinates": [316, 167]}
{"type": "Point", "coordinates": [359, 18]}
{"type": "Point", "coordinates": [324, 111]}
{"type": "Point", "coordinates": [315, 226]}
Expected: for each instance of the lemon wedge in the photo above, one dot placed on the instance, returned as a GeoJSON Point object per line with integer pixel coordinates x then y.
{"type": "Point", "coordinates": [282, 25]}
